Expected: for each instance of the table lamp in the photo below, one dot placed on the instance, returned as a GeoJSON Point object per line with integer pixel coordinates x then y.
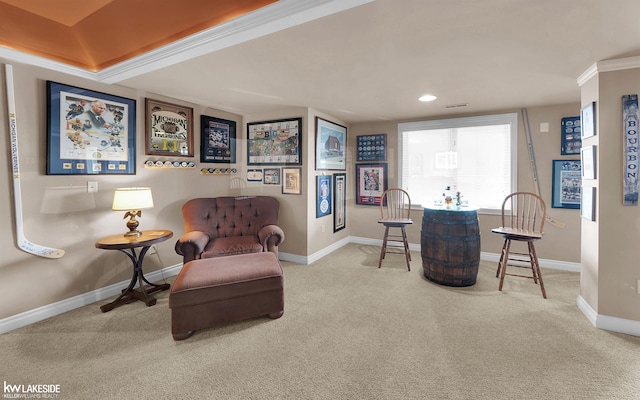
{"type": "Point", "coordinates": [132, 200]}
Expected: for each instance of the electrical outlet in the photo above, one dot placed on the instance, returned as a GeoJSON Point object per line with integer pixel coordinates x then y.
{"type": "Point", "coordinates": [92, 187]}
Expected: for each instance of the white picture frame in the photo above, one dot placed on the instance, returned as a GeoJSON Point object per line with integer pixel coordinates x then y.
{"type": "Point", "coordinates": [588, 203]}
{"type": "Point", "coordinates": [588, 159]}
{"type": "Point", "coordinates": [588, 120]}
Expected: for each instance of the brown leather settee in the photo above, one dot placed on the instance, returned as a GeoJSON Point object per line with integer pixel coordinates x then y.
{"type": "Point", "coordinates": [225, 226]}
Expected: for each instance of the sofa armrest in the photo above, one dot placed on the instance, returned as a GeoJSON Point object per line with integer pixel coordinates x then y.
{"type": "Point", "coordinates": [270, 237]}
{"type": "Point", "coordinates": [191, 245]}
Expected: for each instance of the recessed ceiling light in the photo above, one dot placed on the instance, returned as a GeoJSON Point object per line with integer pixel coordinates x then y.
{"type": "Point", "coordinates": [427, 97]}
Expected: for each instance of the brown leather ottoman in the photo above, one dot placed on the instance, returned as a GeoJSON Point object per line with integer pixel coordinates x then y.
{"type": "Point", "coordinates": [214, 291]}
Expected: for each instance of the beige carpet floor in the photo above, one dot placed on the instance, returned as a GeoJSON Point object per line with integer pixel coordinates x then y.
{"type": "Point", "coordinates": [349, 331]}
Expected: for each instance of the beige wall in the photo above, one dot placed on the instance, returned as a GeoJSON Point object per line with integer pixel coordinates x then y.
{"type": "Point", "coordinates": [558, 244]}
{"type": "Point", "coordinates": [29, 282]}
{"type": "Point", "coordinates": [609, 250]}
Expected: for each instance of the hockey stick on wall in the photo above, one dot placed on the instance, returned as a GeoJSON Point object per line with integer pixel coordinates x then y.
{"type": "Point", "coordinates": [534, 169]}
{"type": "Point", "coordinates": [23, 243]}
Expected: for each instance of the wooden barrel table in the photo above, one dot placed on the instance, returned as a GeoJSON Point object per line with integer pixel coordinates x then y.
{"type": "Point", "coordinates": [450, 245]}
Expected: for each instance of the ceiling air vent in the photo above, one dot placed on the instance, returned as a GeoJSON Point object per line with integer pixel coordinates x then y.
{"type": "Point", "coordinates": [459, 105]}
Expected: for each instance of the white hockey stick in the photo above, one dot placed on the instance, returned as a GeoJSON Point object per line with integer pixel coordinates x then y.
{"type": "Point", "coordinates": [23, 243]}
{"type": "Point", "coordinates": [534, 169]}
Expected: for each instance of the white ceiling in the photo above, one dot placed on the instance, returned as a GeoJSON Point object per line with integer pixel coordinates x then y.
{"type": "Point", "coordinates": [372, 62]}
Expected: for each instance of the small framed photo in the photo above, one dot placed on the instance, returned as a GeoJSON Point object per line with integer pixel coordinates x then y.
{"type": "Point", "coordinates": [571, 136]}
{"type": "Point", "coordinates": [217, 140]}
{"type": "Point", "coordinates": [274, 142]}
{"type": "Point", "coordinates": [588, 203]}
{"type": "Point", "coordinates": [169, 129]}
{"type": "Point", "coordinates": [292, 183]}
{"type": "Point", "coordinates": [588, 158]}
{"type": "Point", "coordinates": [331, 141]}
{"type": "Point", "coordinates": [588, 120]}
{"type": "Point", "coordinates": [339, 201]}
{"type": "Point", "coordinates": [271, 176]}
{"type": "Point", "coordinates": [323, 195]}
{"type": "Point", "coordinates": [254, 175]}
{"type": "Point", "coordinates": [566, 184]}
{"type": "Point", "coordinates": [89, 133]}
{"type": "Point", "coordinates": [371, 182]}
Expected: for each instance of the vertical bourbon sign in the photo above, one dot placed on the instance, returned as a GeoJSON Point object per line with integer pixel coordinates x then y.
{"type": "Point", "coordinates": [631, 146]}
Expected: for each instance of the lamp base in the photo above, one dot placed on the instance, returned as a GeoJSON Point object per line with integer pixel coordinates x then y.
{"type": "Point", "coordinates": [133, 234]}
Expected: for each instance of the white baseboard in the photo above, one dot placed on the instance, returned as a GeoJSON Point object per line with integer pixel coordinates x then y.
{"type": "Point", "coordinates": [606, 322]}
{"type": "Point", "coordinates": [29, 317]}
{"type": "Point", "coordinates": [59, 307]}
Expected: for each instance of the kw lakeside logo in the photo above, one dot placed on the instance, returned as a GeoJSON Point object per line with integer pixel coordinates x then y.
{"type": "Point", "coordinates": [21, 391]}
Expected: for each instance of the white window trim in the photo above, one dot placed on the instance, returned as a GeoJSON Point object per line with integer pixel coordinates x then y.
{"type": "Point", "coordinates": [480, 120]}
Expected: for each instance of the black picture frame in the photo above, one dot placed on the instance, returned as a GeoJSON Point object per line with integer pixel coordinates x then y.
{"type": "Point", "coordinates": [566, 184]}
{"type": "Point", "coordinates": [217, 140]}
{"type": "Point", "coordinates": [81, 142]}
{"type": "Point", "coordinates": [339, 201]}
{"type": "Point", "coordinates": [271, 176]}
{"type": "Point", "coordinates": [276, 142]}
{"type": "Point", "coordinates": [371, 182]}
{"type": "Point", "coordinates": [571, 136]}
{"type": "Point", "coordinates": [331, 144]}
{"type": "Point", "coordinates": [323, 195]}
{"type": "Point", "coordinates": [371, 147]}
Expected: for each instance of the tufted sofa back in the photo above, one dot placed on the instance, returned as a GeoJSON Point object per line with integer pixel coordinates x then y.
{"type": "Point", "coordinates": [230, 216]}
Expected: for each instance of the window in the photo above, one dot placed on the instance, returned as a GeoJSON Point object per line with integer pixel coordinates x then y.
{"type": "Point", "coordinates": [475, 155]}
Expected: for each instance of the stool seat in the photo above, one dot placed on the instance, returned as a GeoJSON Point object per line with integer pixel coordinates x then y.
{"type": "Point", "coordinates": [212, 291]}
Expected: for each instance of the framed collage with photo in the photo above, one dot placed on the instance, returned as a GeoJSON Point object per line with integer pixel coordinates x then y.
{"type": "Point", "coordinates": [217, 140]}
{"type": "Point", "coordinates": [271, 176]}
{"type": "Point", "coordinates": [89, 132]}
{"type": "Point", "coordinates": [331, 142]}
{"type": "Point", "coordinates": [571, 136]}
{"type": "Point", "coordinates": [274, 142]}
{"type": "Point", "coordinates": [566, 184]}
{"type": "Point", "coordinates": [339, 201]}
{"type": "Point", "coordinates": [323, 195]}
{"type": "Point", "coordinates": [371, 182]}
{"type": "Point", "coordinates": [169, 129]}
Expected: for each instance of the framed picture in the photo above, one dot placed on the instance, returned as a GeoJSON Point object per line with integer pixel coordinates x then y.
{"type": "Point", "coordinates": [217, 140]}
{"type": "Point", "coordinates": [271, 176]}
{"type": "Point", "coordinates": [254, 175]}
{"type": "Point", "coordinates": [89, 132]}
{"type": "Point", "coordinates": [588, 203]}
{"type": "Point", "coordinates": [371, 182]}
{"type": "Point", "coordinates": [567, 181]}
{"type": "Point", "coordinates": [323, 195]}
{"type": "Point", "coordinates": [331, 141]}
{"type": "Point", "coordinates": [169, 129]}
{"type": "Point", "coordinates": [630, 121]}
{"type": "Point", "coordinates": [339, 201]}
{"type": "Point", "coordinates": [275, 142]}
{"type": "Point", "coordinates": [588, 120]}
{"type": "Point", "coordinates": [372, 147]}
{"type": "Point", "coordinates": [588, 157]}
{"type": "Point", "coordinates": [571, 135]}
{"type": "Point", "coordinates": [292, 183]}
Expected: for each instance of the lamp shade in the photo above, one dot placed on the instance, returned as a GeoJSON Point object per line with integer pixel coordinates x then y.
{"type": "Point", "coordinates": [128, 199]}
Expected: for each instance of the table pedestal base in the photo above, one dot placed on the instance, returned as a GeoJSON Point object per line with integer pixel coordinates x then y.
{"type": "Point", "coordinates": [132, 295]}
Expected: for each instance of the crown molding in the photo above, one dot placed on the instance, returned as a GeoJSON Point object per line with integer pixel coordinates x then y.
{"type": "Point", "coordinates": [272, 18]}
{"type": "Point", "coordinates": [607, 66]}
{"type": "Point", "coordinates": [275, 17]}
